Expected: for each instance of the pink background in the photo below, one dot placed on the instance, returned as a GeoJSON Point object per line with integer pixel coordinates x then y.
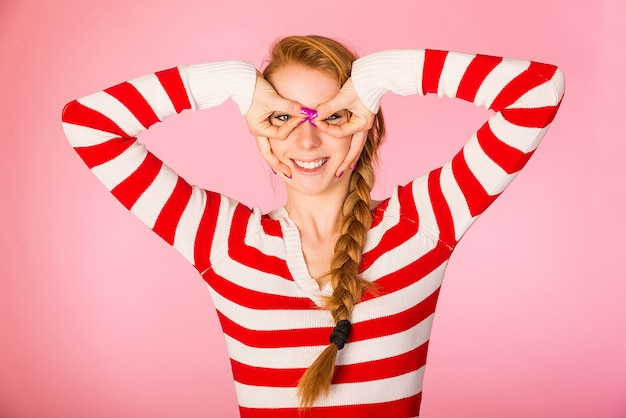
{"type": "Point", "coordinates": [99, 318]}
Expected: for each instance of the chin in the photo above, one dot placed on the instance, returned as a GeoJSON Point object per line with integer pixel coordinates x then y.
{"type": "Point", "coordinates": [316, 188]}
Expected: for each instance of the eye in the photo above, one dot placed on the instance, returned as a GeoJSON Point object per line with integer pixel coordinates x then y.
{"type": "Point", "coordinates": [336, 118]}
{"type": "Point", "coordinates": [278, 119]}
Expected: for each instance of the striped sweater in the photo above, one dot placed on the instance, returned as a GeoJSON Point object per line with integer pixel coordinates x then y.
{"type": "Point", "coordinates": [267, 303]}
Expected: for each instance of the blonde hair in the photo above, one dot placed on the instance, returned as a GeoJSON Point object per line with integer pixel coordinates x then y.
{"type": "Point", "coordinates": [332, 57]}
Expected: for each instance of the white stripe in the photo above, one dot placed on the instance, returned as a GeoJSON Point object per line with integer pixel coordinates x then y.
{"type": "Point", "coordinates": [222, 228]}
{"type": "Point", "coordinates": [113, 172]}
{"type": "Point", "coordinates": [253, 279]}
{"type": "Point", "coordinates": [151, 202]}
{"type": "Point", "coordinates": [523, 139]}
{"type": "Point", "coordinates": [398, 257]}
{"type": "Point", "coordinates": [539, 96]}
{"type": "Point", "coordinates": [453, 71]}
{"type": "Point", "coordinates": [390, 304]}
{"type": "Point", "coordinates": [271, 320]}
{"type": "Point", "coordinates": [461, 216]}
{"type": "Point", "coordinates": [497, 79]}
{"type": "Point", "coordinates": [424, 205]}
{"type": "Point", "coordinates": [83, 136]}
{"type": "Point", "coordinates": [376, 391]}
{"type": "Point", "coordinates": [241, 274]}
{"type": "Point", "coordinates": [391, 218]}
{"type": "Point", "coordinates": [353, 353]}
{"type": "Point", "coordinates": [401, 300]}
{"type": "Point", "coordinates": [489, 174]}
{"type": "Point", "coordinates": [151, 89]}
{"type": "Point", "coordinates": [386, 346]}
{"type": "Point", "coordinates": [257, 238]}
{"type": "Point", "coordinates": [189, 222]}
{"type": "Point", "coordinates": [113, 109]}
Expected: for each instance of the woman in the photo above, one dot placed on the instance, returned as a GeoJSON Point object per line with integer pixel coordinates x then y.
{"type": "Point", "coordinates": [330, 261]}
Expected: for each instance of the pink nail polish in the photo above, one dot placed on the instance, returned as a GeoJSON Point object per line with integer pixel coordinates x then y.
{"type": "Point", "coordinates": [289, 177]}
{"type": "Point", "coordinates": [310, 114]}
{"type": "Point", "coordinates": [273, 171]}
{"type": "Point", "coordinates": [340, 175]}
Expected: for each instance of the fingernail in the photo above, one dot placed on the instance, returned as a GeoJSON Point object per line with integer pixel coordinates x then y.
{"type": "Point", "coordinates": [289, 177]}
{"type": "Point", "coordinates": [340, 175]}
{"type": "Point", "coordinates": [354, 166]}
{"type": "Point", "coordinates": [273, 171]}
{"type": "Point", "coordinates": [310, 114]}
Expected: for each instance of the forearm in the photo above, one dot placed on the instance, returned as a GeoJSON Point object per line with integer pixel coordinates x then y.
{"type": "Point", "coordinates": [524, 95]}
{"type": "Point", "coordinates": [103, 128]}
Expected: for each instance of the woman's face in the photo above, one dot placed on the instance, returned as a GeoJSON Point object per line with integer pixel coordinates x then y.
{"type": "Point", "coordinates": [312, 155]}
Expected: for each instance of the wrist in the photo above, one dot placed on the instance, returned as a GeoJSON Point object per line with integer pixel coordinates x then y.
{"type": "Point", "coordinates": [211, 84]}
{"type": "Point", "coordinates": [399, 71]}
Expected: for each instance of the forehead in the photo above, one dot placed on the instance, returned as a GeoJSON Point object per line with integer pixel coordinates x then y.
{"type": "Point", "coordinates": [305, 85]}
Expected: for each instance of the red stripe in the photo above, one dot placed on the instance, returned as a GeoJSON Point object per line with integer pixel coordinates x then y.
{"type": "Point", "coordinates": [477, 198]}
{"type": "Point", "coordinates": [206, 231]}
{"type": "Point", "coordinates": [173, 85]}
{"type": "Point", "coordinates": [95, 155]}
{"type": "Point", "coordinates": [130, 97]}
{"type": "Point", "coordinates": [407, 407]}
{"type": "Point", "coordinates": [394, 324]}
{"type": "Point", "coordinates": [249, 256]}
{"type": "Point", "coordinates": [379, 212]}
{"type": "Point", "coordinates": [129, 190]}
{"type": "Point", "coordinates": [264, 376]}
{"type": "Point", "coordinates": [474, 76]}
{"type": "Point", "coordinates": [271, 227]}
{"type": "Point", "coordinates": [362, 372]}
{"type": "Point", "coordinates": [441, 209]}
{"type": "Point", "coordinates": [531, 118]}
{"type": "Point", "coordinates": [275, 338]}
{"type": "Point", "coordinates": [433, 65]}
{"type": "Point", "coordinates": [535, 75]}
{"type": "Point", "coordinates": [414, 271]}
{"type": "Point", "coordinates": [253, 299]}
{"type": "Point", "coordinates": [510, 159]}
{"type": "Point", "coordinates": [78, 114]}
{"type": "Point", "coordinates": [383, 368]}
{"type": "Point", "coordinates": [397, 234]}
{"type": "Point", "coordinates": [165, 225]}
{"type": "Point", "coordinates": [361, 331]}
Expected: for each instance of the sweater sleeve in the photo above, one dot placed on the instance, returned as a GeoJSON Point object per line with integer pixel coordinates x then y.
{"type": "Point", "coordinates": [524, 96]}
{"type": "Point", "coordinates": [103, 129]}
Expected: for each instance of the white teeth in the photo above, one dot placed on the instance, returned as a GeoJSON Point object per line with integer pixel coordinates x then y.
{"type": "Point", "coordinates": [310, 165]}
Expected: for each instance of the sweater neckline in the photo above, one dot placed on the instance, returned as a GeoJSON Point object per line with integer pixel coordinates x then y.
{"type": "Point", "coordinates": [295, 258]}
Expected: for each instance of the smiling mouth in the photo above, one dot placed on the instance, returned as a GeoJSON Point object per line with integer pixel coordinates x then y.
{"type": "Point", "coordinates": [310, 165]}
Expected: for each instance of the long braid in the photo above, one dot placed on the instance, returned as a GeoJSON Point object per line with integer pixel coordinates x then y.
{"type": "Point", "coordinates": [328, 55]}
{"type": "Point", "coordinates": [348, 287]}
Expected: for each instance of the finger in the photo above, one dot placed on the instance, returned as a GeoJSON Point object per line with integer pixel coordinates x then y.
{"type": "Point", "coordinates": [343, 100]}
{"type": "Point", "coordinates": [264, 128]}
{"type": "Point", "coordinates": [356, 146]}
{"type": "Point", "coordinates": [340, 131]}
{"type": "Point", "coordinates": [263, 144]}
{"type": "Point", "coordinates": [285, 129]}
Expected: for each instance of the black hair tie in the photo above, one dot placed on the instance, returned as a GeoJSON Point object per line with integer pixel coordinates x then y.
{"type": "Point", "coordinates": [341, 333]}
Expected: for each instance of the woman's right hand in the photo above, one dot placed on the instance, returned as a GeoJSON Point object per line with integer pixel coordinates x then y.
{"type": "Point", "coordinates": [265, 102]}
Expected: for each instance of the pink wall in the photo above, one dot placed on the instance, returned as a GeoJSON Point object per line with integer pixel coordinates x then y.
{"type": "Point", "coordinates": [98, 318]}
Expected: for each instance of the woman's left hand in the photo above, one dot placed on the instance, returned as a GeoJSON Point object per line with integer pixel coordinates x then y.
{"type": "Point", "coordinates": [361, 120]}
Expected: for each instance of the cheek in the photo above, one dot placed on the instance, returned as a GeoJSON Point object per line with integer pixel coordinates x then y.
{"type": "Point", "coordinates": [278, 147]}
{"type": "Point", "coordinates": [339, 146]}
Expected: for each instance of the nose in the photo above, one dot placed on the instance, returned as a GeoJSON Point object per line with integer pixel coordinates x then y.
{"type": "Point", "coordinates": [306, 136]}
